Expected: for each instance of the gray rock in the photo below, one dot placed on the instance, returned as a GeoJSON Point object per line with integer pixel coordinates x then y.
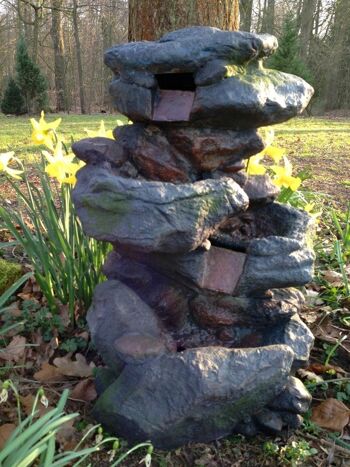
{"type": "Point", "coordinates": [251, 98]}
{"type": "Point", "coordinates": [211, 72]}
{"type": "Point", "coordinates": [132, 100]}
{"type": "Point", "coordinates": [269, 421]}
{"type": "Point", "coordinates": [188, 49]}
{"type": "Point", "coordinates": [294, 398]}
{"type": "Point", "coordinates": [286, 265]}
{"type": "Point", "coordinates": [167, 298]}
{"type": "Point", "coordinates": [196, 395]}
{"type": "Point", "coordinates": [276, 219]}
{"type": "Point", "coordinates": [296, 335]}
{"type": "Point", "coordinates": [153, 216]}
{"type": "Point", "coordinates": [256, 313]}
{"type": "Point", "coordinates": [123, 328]}
{"type": "Point", "coordinates": [98, 150]}
{"type": "Point", "coordinates": [260, 189]}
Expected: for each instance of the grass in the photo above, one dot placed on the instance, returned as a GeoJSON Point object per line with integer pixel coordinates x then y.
{"type": "Point", "coordinates": [15, 132]}
{"type": "Point", "coordinates": [319, 145]}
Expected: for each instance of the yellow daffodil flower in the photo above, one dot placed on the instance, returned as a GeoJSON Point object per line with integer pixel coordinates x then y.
{"type": "Point", "coordinates": [253, 165]}
{"type": "Point", "coordinates": [44, 132]}
{"type": "Point", "coordinates": [275, 153]}
{"type": "Point", "coordinates": [283, 176]}
{"type": "Point", "coordinates": [59, 164]}
{"type": "Point", "coordinates": [5, 159]}
{"type": "Point", "coordinates": [101, 132]}
{"type": "Point", "coordinates": [74, 167]}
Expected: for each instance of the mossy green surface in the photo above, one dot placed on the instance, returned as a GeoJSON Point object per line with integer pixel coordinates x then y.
{"type": "Point", "coordinates": [9, 273]}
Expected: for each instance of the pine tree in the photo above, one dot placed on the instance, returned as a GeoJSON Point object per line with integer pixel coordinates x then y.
{"type": "Point", "coordinates": [12, 102]}
{"type": "Point", "coordinates": [287, 57]}
{"type": "Point", "coordinates": [31, 81]}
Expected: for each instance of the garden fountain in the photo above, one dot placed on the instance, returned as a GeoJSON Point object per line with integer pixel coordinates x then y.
{"type": "Point", "coordinates": [198, 321]}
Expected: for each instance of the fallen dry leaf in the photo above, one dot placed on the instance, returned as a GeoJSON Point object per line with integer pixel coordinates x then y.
{"type": "Point", "coordinates": [334, 278]}
{"type": "Point", "coordinates": [321, 369]}
{"type": "Point", "coordinates": [14, 352]}
{"type": "Point", "coordinates": [48, 373]}
{"type": "Point", "coordinates": [79, 367]}
{"type": "Point", "coordinates": [28, 402]}
{"type": "Point", "coordinates": [331, 414]}
{"type": "Point", "coordinates": [309, 376]}
{"type": "Point", "coordinates": [5, 433]}
{"type": "Point", "coordinates": [67, 436]}
{"type": "Point", "coordinates": [84, 391]}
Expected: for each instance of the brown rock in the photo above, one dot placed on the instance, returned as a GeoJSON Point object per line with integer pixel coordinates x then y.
{"type": "Point", "coordinates": [152, 154]}
{"type": "Point", "coordinates": [210, 149]}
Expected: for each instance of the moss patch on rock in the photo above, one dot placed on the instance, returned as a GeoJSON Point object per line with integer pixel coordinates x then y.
{"type": "Point", "coordinates": [9, 273]}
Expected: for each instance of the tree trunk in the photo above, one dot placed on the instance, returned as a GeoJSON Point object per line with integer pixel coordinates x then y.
{"type": "Point", "coordinates": [79, 60]}
{"type": "Point", "coordinates": [338, 75]}
{"type": "Point", "coordinates": [59, 58]}
{"type": "Point", "coordinates": [268, 19]}
{"type": "Point", "coordinates": [246, 11]}
{"type": "Point", "coordinates": [150, 19]}
{"type": "Point", "coordinates": [306, 26]}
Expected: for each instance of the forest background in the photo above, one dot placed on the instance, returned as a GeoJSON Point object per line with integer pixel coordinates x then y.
{"type": "Point", "coordinates": [67, 39]}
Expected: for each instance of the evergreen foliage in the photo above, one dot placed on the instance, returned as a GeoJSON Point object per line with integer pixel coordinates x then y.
{"type": "Point", "coordinates": [12, 102]}
{"type": "Point", "coordinates": [31, 81]}
{"type": "Point", "coordinates": [287, 57]}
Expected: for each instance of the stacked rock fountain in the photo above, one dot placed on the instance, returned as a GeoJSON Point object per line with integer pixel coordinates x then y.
{"type": "Point", "coordinates": [198, 321]}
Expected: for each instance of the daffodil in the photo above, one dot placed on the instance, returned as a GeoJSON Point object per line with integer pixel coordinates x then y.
{"type": "Point", "coordinates": [5, 159]}
{"type": "Point", "coordinates": [101, 132]}
{"type": "Point", "coordinates": [44, 132]}
{"type": "Point", "coordinates": [283, 176]}
{"type": "Point", "coordinates": [254, 167]}
{"type": "Point", "coordinates": [275, 153]}
{"type": "Point", "coordinates": [60, 166]}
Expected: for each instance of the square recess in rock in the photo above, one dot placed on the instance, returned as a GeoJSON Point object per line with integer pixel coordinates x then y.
{"type": "Point", "coordinates": [176, 96]}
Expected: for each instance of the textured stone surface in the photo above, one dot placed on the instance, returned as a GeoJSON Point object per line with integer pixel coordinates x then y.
{"type": "Point", "coordinates": [181, 154]}
{"type": "Point", "coordinates": [225, 93]}
{"type": "Point", "coordinates": [296, 335]}
{"type": "Point", "coordinates": [211, 72]}
{"type": "Point", "coordinates": [195, 323]}
{"type": "Point", "coordinates": [188, 49]}
{"type": "Point", "coordinates": [260, 189]}
{"type": "Point", "coordinates": [123, 328]}
{"type": "Point", "coordinates": [149, 149]}
{"type": "Point", "coordinates": [167, 298]}
{"type": "Point", "coordinates": [252, 312]}
{"type": "Point", "coordinates": [153, 216]}
{"type": "Point", "coordinates": [275, 262]}
{"type": "Point", "coordinates": [211, 149]}
{"type": "Point", "coordinates": [204, 393]}
{"type": "Point", "coordinates": [294, 398]}
{"type": "Point", "coordinates": [216, 269]}
{"type": "Point", "coordinates": [132, 100]}
{"type": "Point", "coordinates": [251, 98]}
{"type": "Point", "coordinates": [99, 150]}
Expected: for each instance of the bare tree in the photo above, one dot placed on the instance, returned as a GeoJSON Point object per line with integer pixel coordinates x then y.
{"type": "Point", "coordinates": [78, 55]}
{"type": "Point", "coordinates": [59, 55]}
{"type": "Point", "coordinates": [246, 12]}
{"type": "Point", "coordinates": [306, 26]}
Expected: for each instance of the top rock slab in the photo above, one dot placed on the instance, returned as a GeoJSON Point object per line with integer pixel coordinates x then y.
{"type": "Point", "coordinates": [188, 49]}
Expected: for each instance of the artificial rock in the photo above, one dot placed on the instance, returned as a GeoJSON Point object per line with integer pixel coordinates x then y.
{"type": "Point", "coordinates": [198, 321]}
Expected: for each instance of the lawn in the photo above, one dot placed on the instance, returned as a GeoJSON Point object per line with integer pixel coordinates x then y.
{"type": "Point", "coordinates": [319, 145]}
